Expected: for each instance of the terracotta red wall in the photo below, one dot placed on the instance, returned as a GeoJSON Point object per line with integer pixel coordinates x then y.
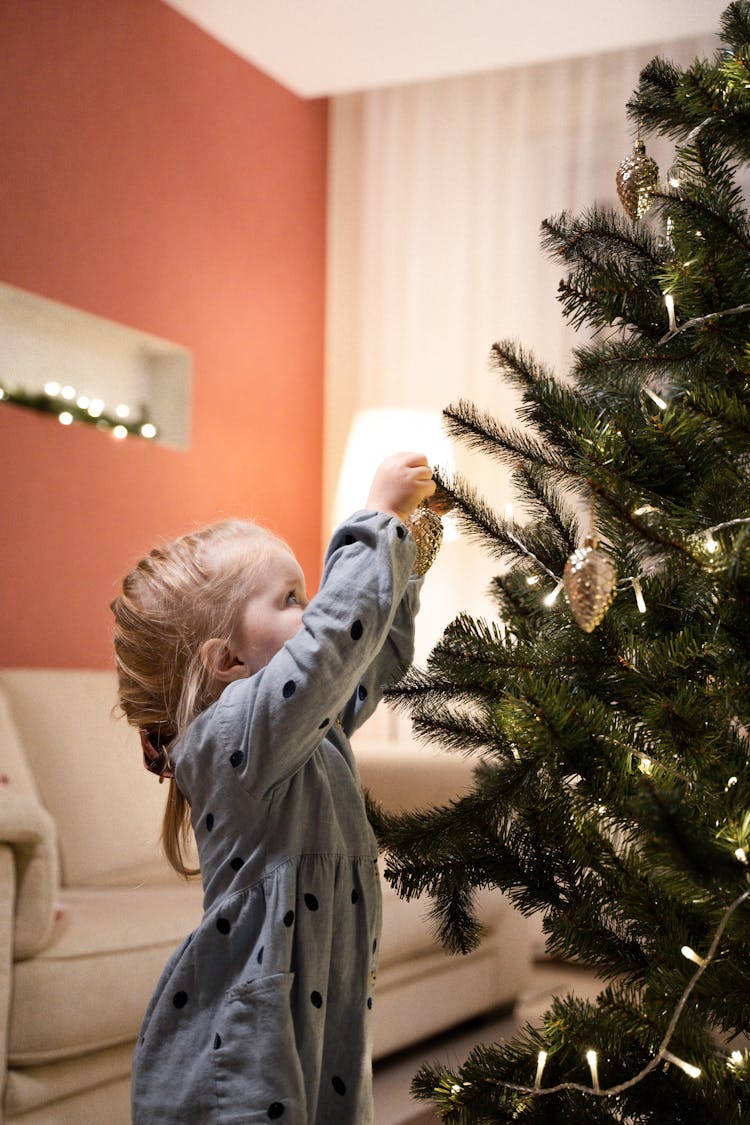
{"type": "Point", "coordinates": [150, 176]}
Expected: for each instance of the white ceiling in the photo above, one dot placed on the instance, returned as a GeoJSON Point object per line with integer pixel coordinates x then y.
{"type": "Point", "coordinates": [322, 47]}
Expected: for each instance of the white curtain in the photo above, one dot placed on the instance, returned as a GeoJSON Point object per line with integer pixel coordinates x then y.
{"type": "Point", "coordinates": [436, 195]}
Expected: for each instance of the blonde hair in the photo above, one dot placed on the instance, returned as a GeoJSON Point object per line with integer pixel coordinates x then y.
{"type": "Point", "coordinates": [176, 598]}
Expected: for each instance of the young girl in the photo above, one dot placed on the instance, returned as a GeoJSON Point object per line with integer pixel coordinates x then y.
{"type": "Point", "coordinates": [245, 695]}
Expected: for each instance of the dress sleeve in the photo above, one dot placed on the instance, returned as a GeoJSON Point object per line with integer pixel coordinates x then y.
{"type": "Point", "coordinates": [390, 663]}
{"type": "Point", "coordinates": [272, 722]}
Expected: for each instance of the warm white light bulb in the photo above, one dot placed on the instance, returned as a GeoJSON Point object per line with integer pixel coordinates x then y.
{"type": "Point", "coordinates": [741, 855]}
{"type": "Point", "coordinates": [83, 401]}
{"type": "Point", "coordinates": [148, 430]}
{"type": "Point", "coordinates": [736, 1060]}
{"type": "Point", "coordinates": [68, 392]}
{"type": "Point", "coordinates": [655, 398]}
{"type": "Point", "coordinates": [551, 598]}
{"type": "Point", "coordinates": [122, 411]}
{"type": "Point", "coordinates": [645, 766]}
{"type": "Point", "coordinates": [640, 601]}
{"type": "Point", "coordinates": [693, 1071]}
{"type": "Point", "coordinates": [95, 407]}
{"type": "Point", "coordinates": [540, 1064]}
{"type": "Point", "coordinates": [691, 955]}
{"type": "Point", "coordinates": [711, 545]}
{"type": "Point", "coordinates": [52, 389]}
{"type": "Point", "coordinates": [120, 432]}
{"type": "Point", "coordinates": [669, 302]}
{"type": "Point", "coordinates": [65, 418]}
{"type": "Point", "coordinates": [593, 1067]}
{"type": "Point", "coordinates": [532, 579]}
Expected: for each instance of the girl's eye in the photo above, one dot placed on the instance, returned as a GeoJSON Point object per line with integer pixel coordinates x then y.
{"type": "Point", "coordinates": [291, 598]}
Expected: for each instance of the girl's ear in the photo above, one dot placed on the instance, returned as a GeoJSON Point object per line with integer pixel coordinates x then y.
{"type": "Point", "coordinates": [220, 661]}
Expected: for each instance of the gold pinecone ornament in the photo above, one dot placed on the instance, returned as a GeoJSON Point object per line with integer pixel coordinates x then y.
{"type": "Point", "coordinates": [589, 581]}
{"type": "Point", "coordinates": [426, 527]}
{"type": "Point", "coordinates": [637, 179]}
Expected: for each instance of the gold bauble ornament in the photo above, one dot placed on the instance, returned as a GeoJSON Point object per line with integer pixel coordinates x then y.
{"type": "Point", "coordinates": [637, 179]}
{"type": "Point", "coordinates": [590, 581]}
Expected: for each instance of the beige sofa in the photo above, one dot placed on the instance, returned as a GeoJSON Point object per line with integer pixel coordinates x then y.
{"type": "Point", "coordinates": [89, 911]}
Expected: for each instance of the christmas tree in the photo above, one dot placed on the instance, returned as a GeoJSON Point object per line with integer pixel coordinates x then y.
{"type": "Point", "coordinates": [607, 703]}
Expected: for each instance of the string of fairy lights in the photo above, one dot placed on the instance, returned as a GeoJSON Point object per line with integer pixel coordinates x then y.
{"type": "Point", "coordinates": [737, 1060]}
{"type": "Point", "coordinates": [65, 403]}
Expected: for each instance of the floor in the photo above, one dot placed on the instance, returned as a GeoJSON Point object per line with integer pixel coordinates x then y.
{"type": "Point", "coordinates": [392, 1076]}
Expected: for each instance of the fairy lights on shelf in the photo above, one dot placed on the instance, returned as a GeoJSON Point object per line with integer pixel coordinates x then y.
{"type": "Point", "coordinates": [64, 402]}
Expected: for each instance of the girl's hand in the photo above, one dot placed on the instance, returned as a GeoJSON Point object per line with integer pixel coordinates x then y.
{"type": "Point", "coordinates": [400, 484]}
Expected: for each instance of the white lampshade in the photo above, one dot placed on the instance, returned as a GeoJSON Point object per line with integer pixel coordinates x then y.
{"type": "Point", "coordinates": [375, 435]}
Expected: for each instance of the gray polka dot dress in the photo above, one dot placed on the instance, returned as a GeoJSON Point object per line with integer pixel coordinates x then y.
{"type": "Point", "coordinates": [264, 1013]}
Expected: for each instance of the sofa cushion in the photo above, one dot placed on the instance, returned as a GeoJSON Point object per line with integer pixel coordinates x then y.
{"type": "Point", "coordinates": [71, 737]}
{"type": "Point", "coordinates": [90, 987]}
{"type": "Point", "coordinates": [405, 775]}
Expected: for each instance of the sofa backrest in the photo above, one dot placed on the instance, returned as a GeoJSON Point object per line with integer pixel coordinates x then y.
{"type": "Point", "coordinates": [87, 769]}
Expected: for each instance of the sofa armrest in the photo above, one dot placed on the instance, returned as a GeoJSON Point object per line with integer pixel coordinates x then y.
{"type": "Point", "coordinates": [28, 829]}
{"type": "Point", "coordinates": [7, 899]}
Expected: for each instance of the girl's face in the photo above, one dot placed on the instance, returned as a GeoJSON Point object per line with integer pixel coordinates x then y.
{"type": "Point", "coordinates": [272, 613]}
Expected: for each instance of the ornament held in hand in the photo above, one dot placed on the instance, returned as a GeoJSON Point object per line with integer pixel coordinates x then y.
{"type": "Point", "coordinates": [426, 527]}
{"type": "Point", "coordinates": [590, 581]}
{"type": "Point", "coordinates": [637, 179]}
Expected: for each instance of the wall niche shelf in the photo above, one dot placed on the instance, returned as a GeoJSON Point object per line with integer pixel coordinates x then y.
{"type": "Point", "coordinates": [83, 368]}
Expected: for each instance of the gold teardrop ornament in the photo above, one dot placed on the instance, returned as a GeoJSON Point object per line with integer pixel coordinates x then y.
{"type": "Point", "coordinates": [590, 584]}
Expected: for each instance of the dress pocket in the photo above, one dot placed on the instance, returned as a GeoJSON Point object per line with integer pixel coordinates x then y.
{"type": "Point", "coordinates": [258, 1072]}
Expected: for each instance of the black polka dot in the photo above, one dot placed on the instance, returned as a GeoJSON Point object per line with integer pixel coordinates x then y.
{"type": "Point", "coordinates": [349, 539]}
{"type": "Point", "coordinates": [369, 1001]}
{"type": "Point", "coordinates": [217, 1041]}
{"type": "Point", "coordinates": [260, 955]}
{"type": "Point", "coordinates": [288, 918]}
{"type": "Point", "coordinates": [223, 925]}
{"type": "Point", "coordinates": [237, 863]}
{"type": "Point", "coordinates": [237, 758]}
{"type": "Point", "coordinates": [316, 999]}
{"type": "Point", "coordinates": [289, 689]}
{"type": "Point", "coordinates": [355, 895]}
{"type": "Point", "coordinates": [275, 1110]}
{"type": "Point", "coordinates": [324, 724]}
{"type": "Point", "coordinates": [180, 999]}
{"type": "Point", "coordinates": [362, 691]}
{"type": "Point", "coordinates": [401, 532]}
{"type": "Point", "coordinates": [311, 902]}
{"type": "Point", "coordinates": [210, 821]}
{"type": "Point", "coordinates": [338, 1084]}
{"type": "Point", "coordinates": [356, 630]}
